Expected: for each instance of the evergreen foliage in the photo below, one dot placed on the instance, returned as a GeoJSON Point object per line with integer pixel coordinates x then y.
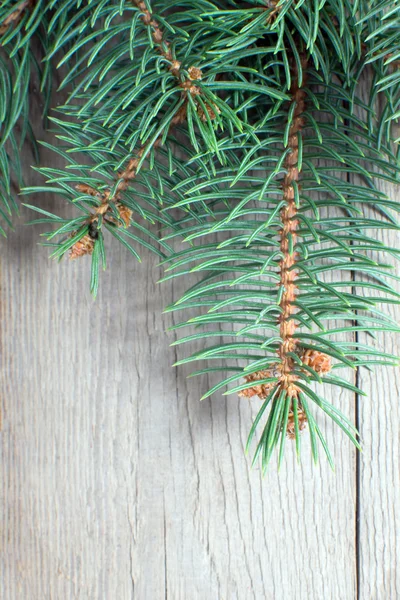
{"type": "Point", "coordinates": [239, 131]}
{"type": "Point", "coordinates": [21, 24]}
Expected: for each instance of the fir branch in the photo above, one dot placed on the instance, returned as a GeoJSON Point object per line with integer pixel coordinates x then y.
{"type": "Point", "coordinates": [110, 198]}
{"type": "Point", "coordinates": [211, 124]}
{"type": "Point", "coordinates": [282, 377]}
{"type": "Point", "coordinates": [309, 354]}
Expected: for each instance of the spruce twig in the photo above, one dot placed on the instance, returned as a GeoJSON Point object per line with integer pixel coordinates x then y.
{"type": "Point", "coordinates": [125, 177]}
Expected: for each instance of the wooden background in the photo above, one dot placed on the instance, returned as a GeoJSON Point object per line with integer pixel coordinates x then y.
{"type": "Point", "coordinates": [118, 484]}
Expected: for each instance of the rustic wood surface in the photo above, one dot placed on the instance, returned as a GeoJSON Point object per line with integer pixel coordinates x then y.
{"type": "Point", "coordinates": [118, 484]}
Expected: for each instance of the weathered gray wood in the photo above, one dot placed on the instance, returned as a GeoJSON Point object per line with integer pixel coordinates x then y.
{"type": "Point", "coordinates": [379, 494]}
{"type": "Point", "coordinates": [117, 482]}
{"type": "Point", "coordinates": [378, 537]}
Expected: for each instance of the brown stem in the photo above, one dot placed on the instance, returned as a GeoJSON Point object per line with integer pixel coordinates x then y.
{"type": "Point", "coordinates": [188, 85]}
{"type": "Point", "coordinates": [15, 16]}
{"type": "Point", "coordinates": [164, 48]}
{"type": "Point", "coordinates": [157, 35]}
{"type": "Point", "coordinates": [288, 274]}
{"type": "Point", "coordinates": [271, 5]}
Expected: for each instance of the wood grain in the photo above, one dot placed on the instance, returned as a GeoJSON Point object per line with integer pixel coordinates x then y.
{"type": "Point", "coordinates": [378, 469]}
{"type": "Point", "coordinates": [379, 465]}
{"type": "Point", "coordinates": [119, 484]}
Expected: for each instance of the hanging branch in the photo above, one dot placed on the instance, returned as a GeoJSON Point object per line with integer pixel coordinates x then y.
{"type": "Point", "coordinates": [289, 349]}
{"type": "Point", "coordinates": [284, 337]}
{"type": "Point", "coordinates": [85, 245]}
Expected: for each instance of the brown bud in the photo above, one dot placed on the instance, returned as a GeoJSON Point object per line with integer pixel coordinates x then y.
{"type": "Point", "coordinates": [212, 112]}
{"type": "Point", "coordinates": [175, 67]}
{"type": "Point", "coordinates": [83, 246]}
{"type": "Point", "coordinates": [320, 362]}
{"type": "Point", "coordinates": [302, 420]}
{"type": "Point", "coordinates": [194, 73]}
{"type": "Point", "coordinates": [102, 209]}
{"type": "Point", "coordinates": [125, 213]}
{"type": "Point", "coordinates": [262, 390]}
{"type": "Point", "coordinates": [193, 89]}
{"type": "Point", "coordinates": [86, 189]}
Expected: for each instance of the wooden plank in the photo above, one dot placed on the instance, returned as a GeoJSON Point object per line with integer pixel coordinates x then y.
{"type": "Point", "coordinates": [379, 493]}
{"type": "Point", "coordinates": [117, 482]}
{"type": "Point", "coordinates": [378, 536]}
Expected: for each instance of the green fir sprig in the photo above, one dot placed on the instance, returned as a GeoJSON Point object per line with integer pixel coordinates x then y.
{"type": "Point", "coordinates": [234, 140]}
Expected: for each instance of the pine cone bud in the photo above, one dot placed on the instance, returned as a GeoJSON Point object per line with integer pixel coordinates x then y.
{"type": "Point", "coordinates": [175, 67]}
{"type": "Point", "coordinates": [320, 362]}
{"type": "Point", "coordinates": [212, 112]}
{"type": "Point", "coordinates": [83, 246]}
{"type": "Point", "coordinates": [86, 189]}
{"type": "Point", "coordinates": [263, 389]}
{"type": "Point", "coordinates": [194, 73]}
{"type": "Point", "coordinates": [302, 419]}
{"type": "Point", "coordinates": [194, 90]}
{"type": "Point", "coordinates": [125, 213]}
